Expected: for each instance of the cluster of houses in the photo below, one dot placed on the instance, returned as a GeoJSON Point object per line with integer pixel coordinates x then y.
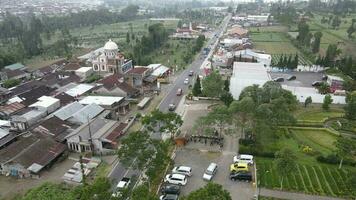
{"type": "Point", "coordinates": [191, 31]}
{"type": "Point", "coordinates": [55, 109]}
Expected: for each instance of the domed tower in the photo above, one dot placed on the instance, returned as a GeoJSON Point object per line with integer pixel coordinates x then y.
{"type": "Point", "coordinates": [111, 49]}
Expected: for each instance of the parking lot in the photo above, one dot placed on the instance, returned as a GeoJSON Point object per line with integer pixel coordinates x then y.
{"type": "Point", "coordinates": [199, 155]}
{"type": "Point", "coordinates": [303, 79]}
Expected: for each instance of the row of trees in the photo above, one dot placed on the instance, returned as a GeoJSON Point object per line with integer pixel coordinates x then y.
{"type": "Point", "coordinates": [308, 39]}
{"type": "Point", "coordinates": [287, 62]}
{"type": "Point", "coordinates": [337, 7]}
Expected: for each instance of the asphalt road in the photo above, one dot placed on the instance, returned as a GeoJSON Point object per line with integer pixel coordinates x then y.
{"type": "Point", "coordinates": [119, 171]}
{"type": "Point", "coordinates": [171, 97]}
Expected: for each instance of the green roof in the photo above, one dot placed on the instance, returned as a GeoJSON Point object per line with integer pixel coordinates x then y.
{"type": "Point", "coordinates": [15, 66]}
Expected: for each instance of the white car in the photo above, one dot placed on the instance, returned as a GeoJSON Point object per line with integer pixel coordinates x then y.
{"type": "Point", "coordinates": [243, 158]}
{"type": "Point", "coordinates": [177, 179]}
{"type": "Point", "coordinates": [123, 184]}
{"type": "Point", "coordinates": [182, 170]}
{"type": "Point", "coordinates": [210, 172]}
{"type": "Point", "coordinates": [186, 81]}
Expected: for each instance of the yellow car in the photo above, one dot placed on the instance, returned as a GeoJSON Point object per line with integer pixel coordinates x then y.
{"type": "Point", "coordinates": [236, 167]}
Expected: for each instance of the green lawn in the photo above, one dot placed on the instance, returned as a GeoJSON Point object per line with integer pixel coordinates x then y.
{"type": "Point", "coordinates": [318, 115]}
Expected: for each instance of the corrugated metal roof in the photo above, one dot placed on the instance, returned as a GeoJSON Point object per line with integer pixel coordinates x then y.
{"type": "Point", "coordinates": [88, 112]}
{"type": "Point", "coordinates": [67, 111]}
{"type": "Point", "coordinates": [79, 90]}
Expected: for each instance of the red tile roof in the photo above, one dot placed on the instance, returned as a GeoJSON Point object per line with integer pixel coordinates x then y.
{"type": "Point", "coordinates": [11, 108]}
{"type": "Point", "coordinates": [110, 81]}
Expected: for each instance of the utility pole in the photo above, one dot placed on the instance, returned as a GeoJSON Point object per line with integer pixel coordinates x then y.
{"type": "Point", "coordinates": [90, 138]}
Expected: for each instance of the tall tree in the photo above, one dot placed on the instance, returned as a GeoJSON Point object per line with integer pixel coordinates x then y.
{"type": "Point", "coordinates": [350, 107]}
{"type": "Point", "coordinates": [212, 85]}
{"type": "Point", "coordinates": [227, 98]}
{"type": "Point", "coordinates": [345, 147]}
{"type": "Point", "coordinates": [128, 38]}
{"type": "Point", "coordinates": [316, 43]}
{"type": "Point", "coordinates": [285, 162]}
{"type": "Point", "coordinates": [242, 113]}
{"type": "Point", "coordinates": [197, 87]}
{"type": "Point", "coordinates": [308, 101]}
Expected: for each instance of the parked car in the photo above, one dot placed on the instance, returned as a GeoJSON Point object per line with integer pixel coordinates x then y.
{"type": "Point", "coordinates": [291, 78]}
{"type": "Point", "coordinates": [324, 78]}
{"type": "Point", "coordinates": [317, 83]}
{"type": "Point", "coordinates": [182, 170]}
{"type": "Point", "coordinates": [186, 81]}
{"type": "Point", "coordinates": [241, 176]}
{"type": "Point", "coordinates": [278, 79]}
{"type": "Point", "coordinates": [236, 167]}
{"type": "Point", "coordinates": [171, 107]}
{"type": "Point", "coordinates": [243, 158]}
{"type": "Point", "coordinates": [123, 184]}
{"type": "Point", "coordinates": [210, 171]}
{"type": "Point", "coordinates": [179, 91]}
{"type": "Point", "coordinates": [191, 73]}
{"type": "Point", "coordinates": [169, 197]}
{"type": "Point", "coordinates": [170, 189]}
{"type": "Point", "coordinates": [177, 179]}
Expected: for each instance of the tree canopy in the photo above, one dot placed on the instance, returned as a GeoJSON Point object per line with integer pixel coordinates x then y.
{"type": "Point", "coordinates": [285, 163]}
{"type": "Point", "coordinates": [212, 85]}
{"type": "Point", "coordinates": [210, 191]}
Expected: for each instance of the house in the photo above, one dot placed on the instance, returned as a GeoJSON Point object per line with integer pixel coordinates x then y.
{"type": "Point", "coordinates": [8, 74]}
{"type": "Point", "coordinates": [64, 98]}
{"type": "Point", "coordinates": [247, 74]}
{"type": "Point", "coordinates": [29, 155]}
{"type": "Point", "coordinates": [11, 109]}
{"type": "Point", "coordinates": [77, 113]}
{"type": "Point", "coordinates": [58, 65]}
{"type": "Point", "coordinates": [71, 67]}
{"type": "Point", "coordinates": [90, 137]}
{"type": "Point", "coordinates": [5, 95]}
{"type": "Point", "coordinates": [31, 96]}
{"type": "Point", "coordinates": [237, 32]}
{"type": "Point", "coordinates": [114, 85]}
{"type": "Point", "coordinates": [59, 79]}
{"type": "Point", "coordinates": [84, 72]}
{"type": "Point", "coordinates": [159, 71]}
{"type": "Point", "coordinates": [46, 103]}
{"type": "Point", "coordinates": [79, 90]}
{"type": "Point", "coordinates": [27, 118]}
{"type": "Point", "coordinates": [116, 105]}
{"type": "Point", "coordinates": [16, 66]}
{"type": "Point", "coordinates": [110, 60]}
{"type": "Point", "coordinates": [248, 55]}
{"type": "Point", "coordinates": [135, 77]}
{"type": "Point", "coordinates": [54, 127]}
{"type": "Point", "coordinates": [25, 87]}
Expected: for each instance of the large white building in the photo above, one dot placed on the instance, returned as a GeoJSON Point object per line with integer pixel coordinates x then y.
{"type": "Point", "coordinates": [109, 59]}
{"type": "Point", "coordinates": [247, 74]}
{"type": "Point", "coordinates": [265, 59]}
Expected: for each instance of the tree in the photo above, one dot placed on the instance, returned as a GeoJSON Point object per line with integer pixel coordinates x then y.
{"type": "Point", "coordinates": [180, 24]}
{"type": "Point", "coordinates": [327, 101]}
{"type": "Point", "coordinates": [295, 61]}
{"type": "Point", "coordinates": [136, 145]}
{"type": "Point", "coordinates": [351, 29]}
{"type": "Point", "coordinates": [308, 101]}
{"type": "Point", "coordinates": [303, 32]}
{"type": "Point", "coordinates": [130, 11]}
{"type": "Point", "coordinates": [197, 87]}
{"type": "Point", "coordinates": [345, 147]}
{"type": "Point", "coordinates": [212, 85]}
{"type": "Point", "coordinates": [219, 117]}
{"type": "Point", "coordinates": [128, 38]}
{"type": "Point", "coordinates": [336, 22]}
{"type": "Point", "coordinates": [316, 43]}
{"type": "Point", "coordinates": [142, 192]}
{"type": "Point", "coordinates": [227, 98]}
{"type": "Point", "coordinates": [324, 88]}
{"type": "Point", "coordinates": [350, 107]}
{"type": "Point", "coordinates": [285, 163]}
{"type": "Point", "coordinates": [242, 112]}
{"type": "Point", "coordinates": [351, 181]}
{"type": "Point", "coordinates": [227, 85]}
{"type": "Point", "coordinates": [11, 83]}
{"type": "Point", "coordinates": [211, 191]}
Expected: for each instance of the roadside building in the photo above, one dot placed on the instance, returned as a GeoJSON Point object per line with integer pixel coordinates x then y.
{"type": "Point", "coordinates": [159, 71]}
{"type": "Point", "coordinates": [335, 83]}
{"type": "Point", "coordinates": [135, 77]}
{"type": "Point", "coordinates": [248, 55]}
{"type": "Point", "coordinates": [247, 74]}
{"type": "Point", "coordinates": [116, 105]}
{"type": "Point", "coordinates": [115, 85]}
{"type": "Point", "coordinates": [237, 32]}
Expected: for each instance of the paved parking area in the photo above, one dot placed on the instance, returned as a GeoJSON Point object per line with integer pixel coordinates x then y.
{"type": "Point", "coordinates": [304, 79]}
{"type": "Point", "coordinates": [200, 155]}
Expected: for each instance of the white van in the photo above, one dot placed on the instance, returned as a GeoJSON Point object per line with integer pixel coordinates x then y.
{"type": "Point", "coordinates": [177, 179]}
{"type": "Point", "coordinates": [210, 171]}
{"type": "Point", "coordinates": [243, 158]}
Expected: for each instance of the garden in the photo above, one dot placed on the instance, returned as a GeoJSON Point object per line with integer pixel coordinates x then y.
{"type": "Point", "coordinates": [315, 150]}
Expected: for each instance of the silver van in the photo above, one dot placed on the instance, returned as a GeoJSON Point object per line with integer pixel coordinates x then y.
{"type": "Point", "coordinates": [210, 171]}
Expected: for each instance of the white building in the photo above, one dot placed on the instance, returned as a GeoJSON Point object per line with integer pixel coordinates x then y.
{"type": "Point", "coordinates": [247, 74]}
{"type": "Point", "coordinates": [46, 103]}
{"type": "Point", "coordinates": [79, 90]}
{"type": "Point", "coordinates": [265, 59]}
{"type": "Point", "coordinates": [84, 72]}
{"type": "Point", "coordinates": [110, 60]}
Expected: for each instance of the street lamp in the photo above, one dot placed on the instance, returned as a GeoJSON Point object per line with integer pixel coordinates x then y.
{"type": "Point", "coordinates": [259, 182]}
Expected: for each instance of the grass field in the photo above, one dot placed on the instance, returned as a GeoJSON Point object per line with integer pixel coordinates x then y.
{"type": "Point", "coordinates": [319, 115]}
{"type": "Point", "coordinates": [309, 178]}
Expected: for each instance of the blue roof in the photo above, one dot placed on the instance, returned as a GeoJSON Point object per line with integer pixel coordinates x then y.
{"type": "Point", "coordinates": [15, 66]}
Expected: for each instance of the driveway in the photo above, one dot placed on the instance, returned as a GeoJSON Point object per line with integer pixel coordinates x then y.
{"type": "Point", "coordinates": [304, 79]}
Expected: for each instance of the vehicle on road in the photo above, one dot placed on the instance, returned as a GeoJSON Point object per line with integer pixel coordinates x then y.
{"type": "Point", "coordinates": [191, 73]}
{"type": "Point", "coordinates": [241, 176]}
{"type": "Point", "coordinates": [169, 197]}
{"type": "Point", "coordinates": [171, 107]}
{"type": "Point", "coordinates": [243, 158]}
{"type": "Point", "coordinates": [278, 79]}
{"type": "Point", "coordinates": [170, 189]}
{"type": "Point", "coordinates": [210, 171]}
{"type": "Point", "coordinates": [186, 81]}
{"type": "Point", "coordinates": [236, 167]}
{"type": "Point", "coordinates": [182, 170]}
{"type": "Point", "coordinates": [179, 91]}
{"type": "Point", "coordinates": [324, 78]}
{"type": "Point", "coordinates": [291, 78]}
{"type": "Point", "coordinates": [177, 179]}
{"type": "Point", "coordinates": [122, 185]}
{"type": "Point", "coordinates": [317, 83]}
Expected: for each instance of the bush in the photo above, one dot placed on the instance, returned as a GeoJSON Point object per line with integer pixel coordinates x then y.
{"type": "Point", "coordinates": [11, 83]}
{"type": "Point", "coordinates": [252, 150]}
{"type": "Point", "coordinates": [329, 159]}
{"type": "Point", "coordinates": [246, 141]}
